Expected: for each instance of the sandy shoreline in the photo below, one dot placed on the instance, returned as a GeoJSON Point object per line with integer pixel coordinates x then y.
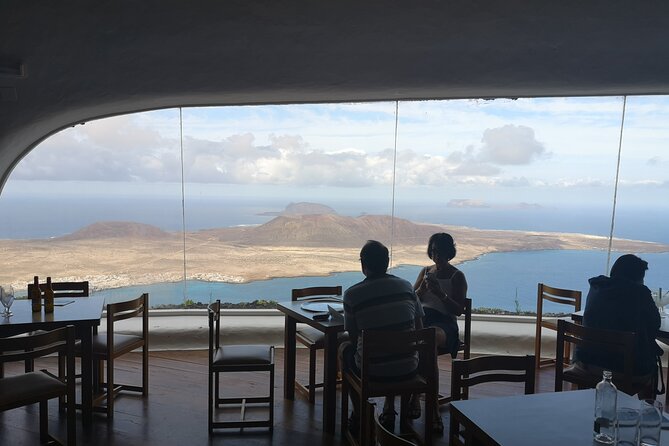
{"type": "Point", "coordinates": [113, 262]}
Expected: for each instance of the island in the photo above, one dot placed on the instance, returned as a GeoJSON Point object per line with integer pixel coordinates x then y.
{"type": "Point", "coordinates": [291, 244]}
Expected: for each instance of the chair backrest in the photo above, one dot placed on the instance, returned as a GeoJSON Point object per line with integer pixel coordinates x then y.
{"type": "Point", "coordinates": [125, 310]}
{"type": "Point", "coordinates": [467, 339]}
{"type": "Point", "coordinates": [328, 291]}
{"type": "Point", "coordinates": [214, 310]}
{"type": "Point", "coordinates": [395, 343]}
{"type": "Point", "coordinates": [558, 296]}
{"type": "Point", "coordinates": [617, 342]}
{"type": "Point", "coordinates": [497, 368]}
{"type": "Point", "coordinates": [386, 438]}
{"type": "Point", "coordinates": [64, 289]}
{"type": "Point", "coordinates": [21, 348]}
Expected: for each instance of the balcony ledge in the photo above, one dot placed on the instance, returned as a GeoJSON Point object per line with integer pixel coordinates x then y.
{"type": "Point", "coordinates": [188, 330]}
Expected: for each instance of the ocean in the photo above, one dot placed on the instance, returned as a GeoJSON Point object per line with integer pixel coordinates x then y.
{"type": "Point", "coordinates": [45, 217]}
{"type": "Point", "coordinates": [506, 280]}
{"type": "Point", "coordinates": [494, 279]}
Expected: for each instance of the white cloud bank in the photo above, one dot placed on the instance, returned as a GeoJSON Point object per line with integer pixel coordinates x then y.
{"type": "Point", "coordinates": [511, 145]}
{"type": "Point", "coordinates": [119, 149]}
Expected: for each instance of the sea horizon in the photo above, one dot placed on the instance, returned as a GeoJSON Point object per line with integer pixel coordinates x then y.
{"type": "Point", "coordinates": [28, 222]}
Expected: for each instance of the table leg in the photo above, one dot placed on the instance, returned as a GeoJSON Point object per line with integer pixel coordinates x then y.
{"type": "Point", "coordinates": [86, 337]}
{"type": "Point", "coordinates": [289, 358]}
{"type": "Point", "coordinates": [330, 383]}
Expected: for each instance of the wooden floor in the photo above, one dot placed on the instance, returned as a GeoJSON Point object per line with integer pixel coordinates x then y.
{"type": "Point", "coordinates": [175, 412]}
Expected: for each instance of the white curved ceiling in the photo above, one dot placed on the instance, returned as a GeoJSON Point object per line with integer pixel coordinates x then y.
{"type": "Point", "coordinates": [83, 60]}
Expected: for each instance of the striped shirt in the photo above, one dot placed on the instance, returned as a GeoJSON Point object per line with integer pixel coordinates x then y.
{"type": "Point", "coordinates": [382, 303]}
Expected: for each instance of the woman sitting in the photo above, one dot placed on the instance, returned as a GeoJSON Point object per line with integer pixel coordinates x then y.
{"type": "Point", "coordinates": [442, 289]}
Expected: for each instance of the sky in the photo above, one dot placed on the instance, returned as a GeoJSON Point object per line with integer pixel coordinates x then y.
{"type": "Point", "coordinates": [461, 154]}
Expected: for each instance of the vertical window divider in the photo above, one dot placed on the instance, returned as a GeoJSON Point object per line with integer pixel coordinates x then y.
{"type": "Point", "coordinates": [183, 198]}
{"type": "Point", "coordinates": [615, 186]}
{"type": "Point", "coordinates": [392, 208]}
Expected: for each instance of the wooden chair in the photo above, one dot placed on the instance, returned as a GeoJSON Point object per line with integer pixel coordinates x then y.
{"type": "Point", "coordinates": [386, 438]}
{"type": "Point", "coordinates": [111, 345]}
{"type": "Point", "coordinates": [379, 343]}
{"type": "Point", "coordinates": [620, 342]}
{"type": "Point", "coordinates": [64, 289]}
{"type": "Point", "coordinates": [465, 346]}
{"type": "Point", "coordinates": [39, 387]}
{"type": "Point", "coordinates": [60, 289]}
{"type": "Point", "coordinates": [310, 337]}
{"type": "Point", "coordinates": [471, 372]}
{"type": "Point", "coordinates": [236, 358]}
{"type": "Point", "coordinates": [571, 298]}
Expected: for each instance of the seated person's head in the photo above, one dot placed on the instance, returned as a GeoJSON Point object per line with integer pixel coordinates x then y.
{"type": "Point", "coordinates": [442, 245]}
{"type": "Point", "coordinates": [374, 258]}
{"type": "Point", "coordinates": [629, 267]}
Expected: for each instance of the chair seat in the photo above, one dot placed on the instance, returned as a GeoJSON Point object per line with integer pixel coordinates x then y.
{"type": "Point", "coordinates": [121, 342]}
{"type": "Point", "coordinates": [31, 386]}
{"type": "Point", "coordinates": [587, 379]}
{"type": "Point", "coordinates": [443, 351]}
{"type": "Point", "coordinates": [243, 355]}
{"type": "Point", "coordinates": [312, 336]}
{"type": "Point", "coordinates": [309, 335]}
{"type": "Point", "coordinates": [397, 386]}
{"type": "Point", "coordinates": [581, 376]}
{"type": "Point", "coordinates": [389, 387]}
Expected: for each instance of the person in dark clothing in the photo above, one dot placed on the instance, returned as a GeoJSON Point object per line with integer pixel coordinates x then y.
{"type": "Point", "coordinates": [622, 302]}
{"type": "Point", "coordinates": [380, 302]}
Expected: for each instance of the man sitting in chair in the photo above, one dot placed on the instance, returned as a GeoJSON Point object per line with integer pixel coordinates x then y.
{"type": "Point", "coordinates": [622, 302]}
{"type": "Point", "coordinates": [380, 302]}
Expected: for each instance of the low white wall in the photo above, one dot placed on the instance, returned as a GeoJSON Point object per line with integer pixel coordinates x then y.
{"type": "Point", "coordinates": [188, 330]}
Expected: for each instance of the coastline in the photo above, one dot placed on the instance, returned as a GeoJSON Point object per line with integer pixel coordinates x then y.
{"type": "Point", "coordinates": [109, 263]}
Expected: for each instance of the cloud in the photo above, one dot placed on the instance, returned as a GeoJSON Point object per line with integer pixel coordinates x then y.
{"type": "Point", "coordinates": [511, 145]}
{"type": "Point", "coordinates": [501, 146]}
{"type": "Point", "coordinates": [640, 183]}
{"type": "Point", "coordinates": [113, 149]}
{"type": "Point", "coordinates": [467, 203]}
{"type": "Point", "coordinates": [583, 182]}
{"type": "Point", "coordinates": [124, 149]}
{"type": "Point", "coordinates": [513, 182]}
{"type": "Point", "coordinates": [523, 205]}
{"type": "Point", "coordinates": [654, 161]}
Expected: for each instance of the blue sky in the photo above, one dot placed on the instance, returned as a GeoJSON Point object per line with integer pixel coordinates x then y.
{"type": "Point", "coordinates": [479, 153]}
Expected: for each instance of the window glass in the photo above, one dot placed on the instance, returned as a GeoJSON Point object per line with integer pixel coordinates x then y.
{"type": "Point", "coordinates": [276, 197]}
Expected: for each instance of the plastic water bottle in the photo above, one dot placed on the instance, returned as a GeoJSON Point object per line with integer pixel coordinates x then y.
{"type": "Point", "coordinates": [606, 397]}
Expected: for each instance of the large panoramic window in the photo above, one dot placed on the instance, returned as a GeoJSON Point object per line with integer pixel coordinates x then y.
{"type": "Point", "coordinates": [244, 203]}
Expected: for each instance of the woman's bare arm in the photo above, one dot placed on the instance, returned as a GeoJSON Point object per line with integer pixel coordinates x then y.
{"type": "Point", "coordinates": [458, 294]}
{"type": "Point", "coordinates": [420, 279]}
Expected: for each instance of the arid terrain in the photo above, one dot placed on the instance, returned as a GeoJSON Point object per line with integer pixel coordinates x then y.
{"type": "Point", "coordinates": [115, 254]}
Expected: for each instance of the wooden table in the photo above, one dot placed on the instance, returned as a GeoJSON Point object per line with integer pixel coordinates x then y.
{"type": "Point", "coordinates": [84, 314]}
{"type": "Point", "coordinates": [294, 314]}
{"type": "Point", "coordinates": [662, 336]}
{"type": "Point", "coordinates": [547, 419]}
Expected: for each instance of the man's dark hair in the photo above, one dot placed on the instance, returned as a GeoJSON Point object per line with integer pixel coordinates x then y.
{"type": "Point", "coordinates": [374, 257]}
{"type": "Point", "coordinates": [443, 244]}
{"type": "Point", "coordinates": [630, 267]}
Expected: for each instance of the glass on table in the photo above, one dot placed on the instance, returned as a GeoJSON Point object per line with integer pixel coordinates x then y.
{"type": "Point", "coordinates": [627, 426]}
{"type": "Point", "coordinates": [7, 299]}
{"type": "Point", "coordinates": [650, 424]}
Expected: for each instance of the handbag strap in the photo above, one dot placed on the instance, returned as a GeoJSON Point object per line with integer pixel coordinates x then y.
{"type": "Point", "coordinates": [662, 389]}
